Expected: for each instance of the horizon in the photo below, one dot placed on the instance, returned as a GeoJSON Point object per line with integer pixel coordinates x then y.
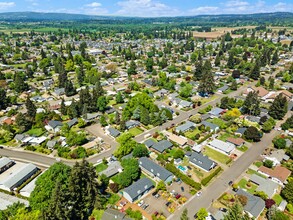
{"type": "Point", "coordinates": [147, 8]}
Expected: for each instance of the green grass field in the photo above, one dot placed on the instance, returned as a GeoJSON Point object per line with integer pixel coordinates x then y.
{"type": "Point", "coordinates": [278, 199]}
{"type": "Point", "coordinates": [35, 132]}
{"type": "Point", "coordinates": [101, 167]}
{"type": "Point", "coordinates": [216, 155]}
{"type": "Point", "coordinates": [135, 131]}
{"type": "Point", "coordinates": [191, 134]}
{"type": "Point", "coordinates": [242, 184]}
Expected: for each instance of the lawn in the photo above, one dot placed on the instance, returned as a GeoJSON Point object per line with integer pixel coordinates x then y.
{"type": "Point", "coordinates": [191, 134]}
{"type": "Point", "coordinates": [114, 198]}
{"type": "Point", "coordinates": [225, 136]}
{"type": "Point", "coordinates": [35, 132]}
{"type": "Point", "coordinates": [278, 199]}
{"type": "Point", "coordinates": [112, 102]}
{"type": "Point", "coordinates": [97, 214]}
{"type": "Point", "coordinates": [101, 167]}
{"type": "Point", "coordinates": [216, 155]}
{"type": "Point", "coordinates": [243, 148]}
{"type": "Point", "coordinates": [209, 99]}
{"type": "Point", "coordinates": [218, 122]}
{"type": "Point", "coordinates": [250, 172]}
{"type": "Point", "coordinates": [242, 184]}
{"type": "Point", "coordinates": [135, 131]}
{"type": "Point", "coordinates": [258, 163]}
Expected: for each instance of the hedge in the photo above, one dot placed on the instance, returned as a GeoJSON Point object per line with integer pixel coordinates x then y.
{"type": "Point", "coordinates": [205, 138]}
{"type": "Point", "coordinates": [206, 180]}
{"type": "Point", "coordinates": [183, 177]}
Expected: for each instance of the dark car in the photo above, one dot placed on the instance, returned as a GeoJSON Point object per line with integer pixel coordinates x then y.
{"type": "Point", "coordinates": [1, 147]}
{"type": "Point", "coordinates": [154, 193]}
{"type": "Point", "coordinates": [230, 183]}
{"type": "Point", "coordinates": [145, 206]}
{"type": "Point", "coordinates": [223, 209]}
{"type": "Point", "coordinates": [157, 196]}
{"type": "Point", "coordinates": [168, 203]}
{"type": "Point", "coordinates": [182, 188]}
{"type": "Point", "coordinates": [178, 196]}
{"type": "Point", "coordinates": [156, 213]}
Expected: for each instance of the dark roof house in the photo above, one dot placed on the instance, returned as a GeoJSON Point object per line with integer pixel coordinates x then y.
{"type": "Point", "coordinates": [200, 161]}
{"type": "Point", "coordinates": [162, 145]}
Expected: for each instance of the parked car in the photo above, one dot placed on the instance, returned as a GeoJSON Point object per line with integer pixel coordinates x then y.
{"type": "Point", "coordinates": [198, 194]}
{"type": "Point", "coordinates": [145, 206]}
{"type": "Point", "coordinates": [177, 196]}
{"type": "Point", "coordinates": [154, 193]}
{"type": "Point", "coordinates": [156, 213]}
{"type": "Point", "coordinates": [223, 209]}
{"type": "Point", "coordinates": [168, 203]}
{"type": "Point", "coordinates": [140, 203]}
{"type": "Point", "coordinates": [157, 195]}
{"type": "Point", "coordinates": [182, 188]}
{"type": "Point", "coordinates": [177, 180]}
{"type": "Point", "coordinates": [230, 182]}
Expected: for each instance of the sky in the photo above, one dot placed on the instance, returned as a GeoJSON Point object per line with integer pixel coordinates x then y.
{"type": "Point", "coordinates": [148, 8]}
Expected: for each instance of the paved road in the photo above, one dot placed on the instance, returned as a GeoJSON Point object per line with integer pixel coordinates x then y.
{"type": "Point", "coordinates": [45, 160]}
{"type": "Point", "coordinates": [220, 185]}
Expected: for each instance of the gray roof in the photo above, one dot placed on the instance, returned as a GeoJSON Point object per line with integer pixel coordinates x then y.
{"type": "Point", "coordinates": [255, 205]}
{"type": "Point", "coordinates": [72, 122]}
{"type": "Point", "coordinates": [185, 127]}
{"type": "Point", "coordinates": [162, 145]}
{"type": "Point", "coordinates": [4, 161]}
{"type": "Point", "coordinates": [253, 118]}
{"type": "Point", "coordinates": [212, 126]}
{"type": "Point", "coordinates": [223, 88]}
{"type": "Point", "coordinates": [241, 130]}
{"type": "Point", "coordinates": [154, 168]}
{"type": "Point", "coordinates": [184, 103]}
{"type": "Point", "coordinates": [114, 132]}
{"type": "Point", "coordinates": [51, 143]}
{"type": "Point", "coordinates": [265, 185]}
{"type": "Point", "coordinates": [139, 187]}
{"type": "Point", "coordinates": [90, 116]}
{"type": "Point", "coordinates": [111, 214]}
{"type": "Point", "coordinates": [131, 123]}
{"type": "Point", "coordinates": [13, 180]}
{"type": "Point", "coordinates": [216, 111]}
{"type": "Point", "coordinates": [19, 137]}
{"type": "Point", "coordinates": [200, 160]}
{"type": "Point", "coordinates": [149, 142]}
{"type": "Point", "coordinates": [112, 169]}
{"type": "Point", "coordinates": [55, 124]}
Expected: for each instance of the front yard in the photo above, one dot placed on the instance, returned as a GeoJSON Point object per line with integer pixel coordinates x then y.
{"type": "Point", "coordinates": [250, 187]}
{"type": "Point", "coordinates": [135, 131]}
{"type": "Point", "coordinates": [216, 155]}
{"type": "Point", "coordinates": [101, 167]}
{"type": "Point", "coordinates": [36, 132]}
{"type": "Point", "coordinates": [192, 134]}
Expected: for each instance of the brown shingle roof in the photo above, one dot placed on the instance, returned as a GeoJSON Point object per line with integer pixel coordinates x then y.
{"type": "Point", "coordinates": [281, 173]}
{"type": "Point", "coordinates": [236, 141]}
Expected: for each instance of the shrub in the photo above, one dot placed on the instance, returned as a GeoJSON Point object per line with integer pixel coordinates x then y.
{"type": "Point", "coordinates": [183, 177]}
{"type": "Point", "coordinates": [206, 180]}
{"type": "Point", "coordinates": [268, 163]}
{"type": "Point", "coordinates": [270, 203]}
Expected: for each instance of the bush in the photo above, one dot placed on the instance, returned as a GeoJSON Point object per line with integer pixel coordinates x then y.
{"type": "Point", "coordinates": [268, 163]}
{"type": "Point", "coordinates": [279, 143]}
{"type": "Point", "coordinates": [270, 203]}
{"type": "Point", "coordinates": [114, 187]}
{"type": "Point", "coordinates": [183, 177]}
{"type": "Point", "coordinates": [206, 180]}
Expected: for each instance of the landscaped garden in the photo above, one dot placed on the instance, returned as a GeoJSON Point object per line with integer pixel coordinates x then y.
{"type": "Point", "coordinates": [250, 187]}
{"type": "Point", "coordinates": [216, 155]}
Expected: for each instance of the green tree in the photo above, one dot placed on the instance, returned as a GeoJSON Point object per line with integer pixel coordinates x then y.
{"type": "Point", "coordinates": [69, 89]}
{"type": "Point", "coordinates": [103, 121]}
{"type": "Point", "coordinates": [140, 151]}
{"type": "Point", "coordinates": [184, 215]}
{"type": "Point", "coordinates": [233, 85]}
{"type": "Point", "coordinates": [132, 68]}
{"type": "Point", "coordinates": [3, 99]}
{"type": "Point", "coordinates": [202, 214]}
{"type": "Point", "coordinates": [102, 103]}
{"type": "Point", "coordinates": [275, 58]}
{"type": "Point", "coordinates": [255, 71]}
{"type": "Point", "coordinates": [207, 83]}
{"type": "Point", "coordinates": [236, 212]}
{"type": "Point", "coordinates": [252, 133]}
{"type": "Point", "coordinates": [279, 143]}
{"type": "Point", "coordinates": [119, 98]}
{"type": "Point", "coordinates": [19, 84]}
{"type": "Point", "coordinates": [45, 185]}
{"type": "Point", "coordinates": [251, 104]}
{"type": "Point", "coordinates": [279, 107]}
{"type": "Point", "coordinates": [186, 91]}
{"type": "Point", "coordinates": [31, 108]}
{"type": "Point", "coordinates": [149, 64]}
{"type": "Point", "coordinates": [268, 163]}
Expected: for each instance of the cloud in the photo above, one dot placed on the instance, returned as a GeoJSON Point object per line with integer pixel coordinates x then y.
{"type": "Point", "coordinates": [236, 3]}
{"type": "Point", "coordinates": [281, 6]}
{"type": "Point", "coordinates": [204, 10]}
{"type": "Point", "coordinates": [146, 8]}
{"type": "Point", "coordinates": [94, 4]}
{"type": "Point", "coordinates": [5, 5]}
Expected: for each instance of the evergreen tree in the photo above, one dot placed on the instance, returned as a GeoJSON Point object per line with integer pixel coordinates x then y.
{"type": "Point", "coordinates": [236, 212]}
{"type": "Point", "coordinates": [231, 60]}
{"type": "Point", "coordinates": [251, 104]}
{"type": "Point", "coordinates": [31, 108]}
{"type": "Point", "coordinates": [119, 98]}
{"type": "Point", "coordinates": [275, 58]}
{"type": "Point", "coordinates": [198, 71]}
{"type": "Point", "coordinates": [117, 118]}
{"type": "Point", "coordinates": [102, 103]}
{"type": "Point", "coordinates": [20, 85]}
{"type": "Point", "coordinates": [149, 64]}
{"type": "Point", "coordinates": [69, 89]}
{"type": "Point", "coordinates": [144, 116]}
{"type": "Point", "coordinates": [122, 125]}
{"type": "Point", "coordinates": [262, 81]}
{"type": "Point", "coordinates": [62, 79]}
{"type": "Point", "coordinates": [132, 68]}
{"type": "Point", "coordinates": [63, 108]}
{"type": "Point", "coordinates": [207, 84]}
{"type": "Point", "coordinates": [233, 85]}
{"type": "Point", "coordinates": [3, 99]}
{"type": "Point", "coordinates": [272, 83]}
{"type": "Point", "coordinates": [218, 60]}
{"type": "Point", "coordinates": [279, 107]}
{"type": "Point", "coordinates": [43, 54]}
{"type": "Point", "coordinates": [255, 71]}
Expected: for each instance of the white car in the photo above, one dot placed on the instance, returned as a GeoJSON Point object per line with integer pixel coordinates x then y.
{"type": "Point", "coordinates": [140, 203]}
{"type": "Point", "coordinates": [198, 194]}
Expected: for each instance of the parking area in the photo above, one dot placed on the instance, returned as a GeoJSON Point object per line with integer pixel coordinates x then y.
{"type": "Point", "coordinates": [156, 204]}
{"type": "Point", "coordinates": [180, 188]}
{"type": "Point", "coordinates": [15, 168]}
{"type": "Point", "coordinates": [6, 200]}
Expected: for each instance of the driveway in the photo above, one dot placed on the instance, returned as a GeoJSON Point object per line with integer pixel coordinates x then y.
{"type": "Point", "coordinates": [156, 204]}
{"type": "Point", "coordinates": [177, 188]}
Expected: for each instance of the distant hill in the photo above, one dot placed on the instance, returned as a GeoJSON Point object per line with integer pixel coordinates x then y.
{"type": "Point", "coordinates": [37, 16]}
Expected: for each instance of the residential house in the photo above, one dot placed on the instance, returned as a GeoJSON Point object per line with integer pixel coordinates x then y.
{"type": "Point", "coordinates": [29, 188]}
{"type": "Point", "coordinates": [131, 124]}
{"type": "Point", "coordinates": [16, 179]}
{"type": "Point", "coordinates": [187, 126]}
{"type": "Point", "coordinates": [252, 118]}
{"type": "Point", "coordinates": [155, 170]}
{"type": "Point", "coordinates": [149, 143]}
{"type": "Point", "coordinates": [267, 186]}
{"type": "Point", "coordinates": [72, 122]}
{"type": "Point", "coordinates": [138, 189]}
{"type": "Point", "coordinates": [200, 161]}
{"type": "Point", "coordinates": [89, 117]}
{"type": "Point", "coordinates": [112, 169]}
{"type": "Point", "coordinates": [59, 92]}
{"type": "Point", "coordinates": [236, 141]}
{"type": "Point", "coordinates": [254, 206]}
{"type": "Point", "coordinates": [5, 164]}
{"type": "Point", "coordinates": [112, 214]}
{"type": "Point", "coordinates": [240, 131]}
{"type": "Point", "coordinates": [222, 146]}
{"type": "Point", "coordinates": [54, 126]}
{"type": "Point", "coordinates": [180, 140]}
{"type": "Point", "coordinates": [278, 174]}
{"type": "Point", "coordinates": [277, 156]}
{"type": "Point", "coordinates": [223, 89]}
{"type": "Point", "coordinates": [51, 144]}
{"type": "Point", "coordinates": [262, 92]}
{"type": "Point", "coordinates": [112, 132]}
{"type": "Point", "coordinates": [213, 127]}
{"type": "Point", "coordinates": [216, 112]}
{"type": "Point", "coordinates": [185, 104]}
{"type": "Point", "coordinates": [162, 145]}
